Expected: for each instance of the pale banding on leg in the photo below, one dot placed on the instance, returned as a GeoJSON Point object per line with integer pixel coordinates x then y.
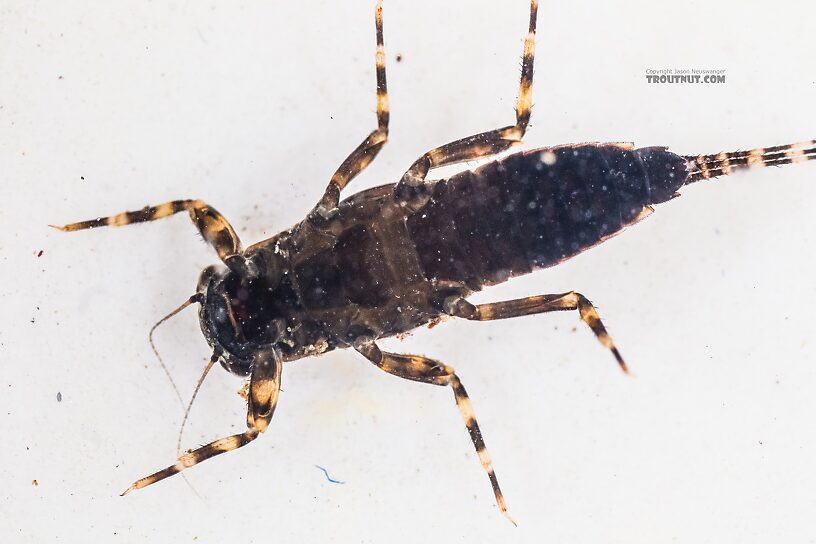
{"type": "Point", "coordinates": [487, 143]}
{"type": "Point", "coordinates": [214, 228]}
{"type": "Point", "coordinates": [427, 370]}
{"type": "Point", "coordinates": [539, 304]}
{"type": "Point", "coordinates": [364, 153]}
{"type": "Point", "coordinates": [264, 386]}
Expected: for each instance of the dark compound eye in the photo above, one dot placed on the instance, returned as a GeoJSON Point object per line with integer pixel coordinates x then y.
{"type": "Point", "coordinates": [207, 276]}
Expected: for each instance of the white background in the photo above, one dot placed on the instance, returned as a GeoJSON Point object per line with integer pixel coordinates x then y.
{"type": "Point", "coordinates": [251, 106]}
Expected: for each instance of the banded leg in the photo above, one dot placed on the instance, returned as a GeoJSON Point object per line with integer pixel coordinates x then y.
{"type": "Point", "coordinates": [459, 307]}
{"type": "Point", "coordinates": [362, 156]}
{"type": "Point", "coordinates": [485, 143]}
{"type": "Point", "coordinates": [214, 228]}
{"type": "Point", "coordinates": [264, 386]}
{"type": "Point", "coordinates": [425, 370]}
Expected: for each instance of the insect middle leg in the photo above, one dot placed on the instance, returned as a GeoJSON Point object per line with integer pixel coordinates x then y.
{"type": "Point", "coordinates": [426, 370]}
{"type": "Point", "coordinates": [459, 307]}
{"type": "Point", "coordinates": [362, 156]}
{"type": "Point", "coordinates": [264, 386]}
{"type": "Point", "coordinates": [485, 143]}
{"type": "Point", "coordinates": [213, 226]}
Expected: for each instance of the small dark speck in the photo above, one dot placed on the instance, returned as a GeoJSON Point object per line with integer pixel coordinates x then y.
{"type": "Point", "coordinates": [40, 253]}
{"type": "Point", "coordinates": [60, 77]}
{"type": "Point", "coordinates": [760, 442]}
{"type": "Point", "coordinates": [82, 178]}
{"type": "Point", "coordinates": [32, 320]}
{"type": "Point", "coordinates": [59, 396]}
{"type": "Point", "coordinates": [331, 117]}
{"type": "Point", "coordinates": [398, 58]}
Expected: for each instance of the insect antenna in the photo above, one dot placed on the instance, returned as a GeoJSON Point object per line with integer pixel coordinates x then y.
{"type": "Point", "coordinates": [193, 299]}
{"type": "Point", "coordinates": [216, 354]}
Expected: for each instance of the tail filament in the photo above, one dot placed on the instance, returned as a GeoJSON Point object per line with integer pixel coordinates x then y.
{"type": "Point", "coordinates": [723, 164]}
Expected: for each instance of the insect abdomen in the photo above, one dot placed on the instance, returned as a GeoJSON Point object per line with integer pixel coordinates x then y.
{"type": "Point", "coordinates": [537, 208]}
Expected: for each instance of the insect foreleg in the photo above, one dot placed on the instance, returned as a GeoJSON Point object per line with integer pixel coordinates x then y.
{"type": "Point", "coordinates": [486, 143]}
{"type": "Point", "coordinates": [362, 156]}
{"type": "Point", "coordinates": [213, 226]}
{"type": "Point", "coordinates": [425, 370]}
{"type": "Point", "coordinates": [264, 386]}
{"type": "Point", "coordinates": [540, 304]}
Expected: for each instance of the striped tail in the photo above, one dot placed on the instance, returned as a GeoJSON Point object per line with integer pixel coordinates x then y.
{"type": "Point", "coordinates": [723, 164]}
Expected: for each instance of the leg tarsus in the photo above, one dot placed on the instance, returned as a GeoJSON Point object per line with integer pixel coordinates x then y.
{"type": "Point", "coordinates": [364, 153]}
{"type": "Point", "coordinates": [193, 457]}
{"type": "Point", "coordinates": [427, 370]}
{"type": "Point", "coordinates": [459, 307]}
{"type": "Point", "coordinates": [483, 144]}
{"type": "Point", "coordinates": [213, 226]}
{"type": "Point", "coordinates": [264, 386]}
{"type": "Point", "coordinates": [466, 409]}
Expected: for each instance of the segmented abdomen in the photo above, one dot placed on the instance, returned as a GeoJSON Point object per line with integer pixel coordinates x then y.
{"type": "Point", "coordinates": [537, 208]}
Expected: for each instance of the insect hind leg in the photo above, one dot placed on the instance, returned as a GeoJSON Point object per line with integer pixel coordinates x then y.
{"type": "Point", "coordinates": [459, 307]}
{"type": "Point", "coordinates": [214, 228]}
{"type": "Point", "coordinates": [364, 153]}
{"type": "Point", "coordinates": [426, 370]}
{"type": "Point", "coordinates": [483, 144]}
